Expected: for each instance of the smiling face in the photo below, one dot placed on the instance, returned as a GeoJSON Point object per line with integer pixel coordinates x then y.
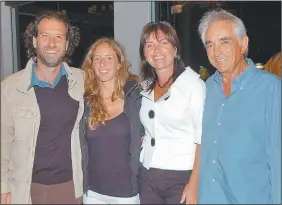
{"type": "Point", "coordinates": [105, 62]}
{"type": "Point", "coordinates": [224, 50]}
{"type": "Point", "coordinates": [159, 52]}
{"type": "Point", "coordinates": [51, 43]}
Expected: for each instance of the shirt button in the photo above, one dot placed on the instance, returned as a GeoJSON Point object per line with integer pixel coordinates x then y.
{"type": "Point", "coordinates": [151, 114]}
{"type": "Point", "coordinates": [222, 104]}
{"type": "Point", "coordinates": [213, 161]}
{"type": "Point", "coordinates": [219, 124]}
{"type": "Point", "coordinates": [213, 180]}
{"type": "Point", "coordinates": [153, 142]}
{"type": "Point", "coordinates": [214, 142]}
{"type": "Point", "coordinates": [241, 88]}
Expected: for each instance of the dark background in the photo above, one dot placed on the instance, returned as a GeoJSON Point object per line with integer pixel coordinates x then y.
{"type": "Point", "coordinates": [262, 21]}
{"type": "Point", "coordinates": [92, 26]}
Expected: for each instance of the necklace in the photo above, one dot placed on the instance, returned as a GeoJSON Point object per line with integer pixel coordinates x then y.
{"type": "Point", "coordinates": [166, 82]}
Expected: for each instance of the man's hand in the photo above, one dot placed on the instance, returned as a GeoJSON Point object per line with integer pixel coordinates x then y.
{"type": "Point", "coordinates": [6, 198]}
{"type": "Point", "coordinates": [190, 194]}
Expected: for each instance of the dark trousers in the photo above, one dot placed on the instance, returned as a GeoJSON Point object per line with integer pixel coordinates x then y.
{"type": "Point", "coordinates": [158, 186]}
{"type": "Point", "coordinates": [54, 194]}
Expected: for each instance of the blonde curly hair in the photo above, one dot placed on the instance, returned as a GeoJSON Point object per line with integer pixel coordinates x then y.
{"type": "Point", "coordinates": [98, 113]}
{"type": "Point", "coordinates": [274, 64]}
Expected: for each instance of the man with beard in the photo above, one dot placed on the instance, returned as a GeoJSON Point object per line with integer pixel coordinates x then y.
{"type": "Point", "coordinates": [41, 109]}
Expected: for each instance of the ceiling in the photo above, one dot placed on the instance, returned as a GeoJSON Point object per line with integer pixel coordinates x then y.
{"type": "Point", "coordinates": [59, 5]}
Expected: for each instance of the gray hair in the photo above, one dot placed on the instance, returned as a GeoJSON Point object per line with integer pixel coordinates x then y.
{"type": "Point", "coordinates": [219, 15]}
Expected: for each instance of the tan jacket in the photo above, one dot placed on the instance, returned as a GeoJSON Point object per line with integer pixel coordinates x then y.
{"type": "Point", "coordinates": [20, 119]}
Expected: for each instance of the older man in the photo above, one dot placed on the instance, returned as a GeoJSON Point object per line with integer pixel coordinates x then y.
{"type": "Point", "coordinates": [41, 107]}
{"type": "Point", "coordinates": [241, 140]}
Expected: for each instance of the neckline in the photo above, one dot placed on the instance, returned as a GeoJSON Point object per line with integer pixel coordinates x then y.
{"type": "Point", "coordinates": [113, 118]}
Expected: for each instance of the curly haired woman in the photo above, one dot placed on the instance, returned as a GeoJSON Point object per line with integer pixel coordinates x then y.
{"type": "Point", "coordinates": [110, 130]}
{"type": "Point", "coordinates": [273, 65]}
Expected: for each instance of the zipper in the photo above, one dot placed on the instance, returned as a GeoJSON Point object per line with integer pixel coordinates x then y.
{"type": "Point", "coordinates": [85, 116]}
{"type": "Point", "coordinates": [127, 114]}
{"type": "Point", "coordinates": [130, 134]}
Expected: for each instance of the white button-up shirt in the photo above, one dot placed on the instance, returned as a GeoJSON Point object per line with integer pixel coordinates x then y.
{"type": "Point", "coordinates": [176, 125]}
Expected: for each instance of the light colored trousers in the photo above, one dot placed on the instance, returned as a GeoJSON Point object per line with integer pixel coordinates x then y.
{"type": "Point", "coordinates": [96, 198]}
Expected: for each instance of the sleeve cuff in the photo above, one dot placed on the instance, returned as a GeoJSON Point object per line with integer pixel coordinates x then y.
{"type": "Point", "coordinates": [5, 188]}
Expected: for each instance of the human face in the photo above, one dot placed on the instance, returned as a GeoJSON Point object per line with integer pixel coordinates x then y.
{"type": "Point", "coordinates": [159, 52]}
{"type": "Point", "coordinates": [105, 62]}
{"type": "Point", "coordinates": [224, 50]}
{"type": "Point", "coordinates": [51, 43]}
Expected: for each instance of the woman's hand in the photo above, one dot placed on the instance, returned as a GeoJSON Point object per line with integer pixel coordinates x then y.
{"type": "Point", "coordinates": [190, 194]}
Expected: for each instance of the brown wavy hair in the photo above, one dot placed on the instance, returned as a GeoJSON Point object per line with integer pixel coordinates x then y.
{"type": "Point", "coordinates": [274, 64]}
{"type": "Point", "coordinates": [73, 34]}
{"type": "Point", "coordinates": [98, 113]}
{"type": "Point", "coordinates": [149, 73]}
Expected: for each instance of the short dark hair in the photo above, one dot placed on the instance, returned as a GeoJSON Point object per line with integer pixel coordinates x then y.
{"type": "Point", "coordinates": [166, 28]}
{"type": "Point", "coordinates": [73, 33]}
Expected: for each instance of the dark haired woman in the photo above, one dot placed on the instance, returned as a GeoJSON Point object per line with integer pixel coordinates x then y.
{"type": "Point", "coordinates": [171, 113]}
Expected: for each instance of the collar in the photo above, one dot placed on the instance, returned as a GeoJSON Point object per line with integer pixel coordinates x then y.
{"type": "Point", "coordinates": [181, 83]}
{"type": "Point", "coordinates": [241, 79]}
{"type": "Point", "coordinates": [129, 86]}
{"type": "Point", "coordinates": [36, 81]}
{"type": "Point", "coordinates": [251, 66]}
{"type": "Point", "coordinates": [188, 76]}
{"type": "Point", "coordinates": [25, 77]}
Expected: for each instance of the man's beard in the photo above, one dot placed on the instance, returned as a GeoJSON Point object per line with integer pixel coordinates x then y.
{"type": "Point", "coordinates": [51, 62]}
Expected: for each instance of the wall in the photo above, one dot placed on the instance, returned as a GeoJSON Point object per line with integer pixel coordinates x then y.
{"type": "Point", "coordinates": [6, 42]}
{"type": "Point", "coordinates": [129, 19]}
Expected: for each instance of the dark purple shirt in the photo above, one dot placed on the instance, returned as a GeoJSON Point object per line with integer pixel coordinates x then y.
{"type": "Point", "coordinates": [58, 111]}
{"type": "Point", "coordinates": [109, 171]}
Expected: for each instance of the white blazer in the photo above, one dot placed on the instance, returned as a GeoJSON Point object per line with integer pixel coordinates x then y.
{"type": "Point", "coordinates": [175, 123]}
